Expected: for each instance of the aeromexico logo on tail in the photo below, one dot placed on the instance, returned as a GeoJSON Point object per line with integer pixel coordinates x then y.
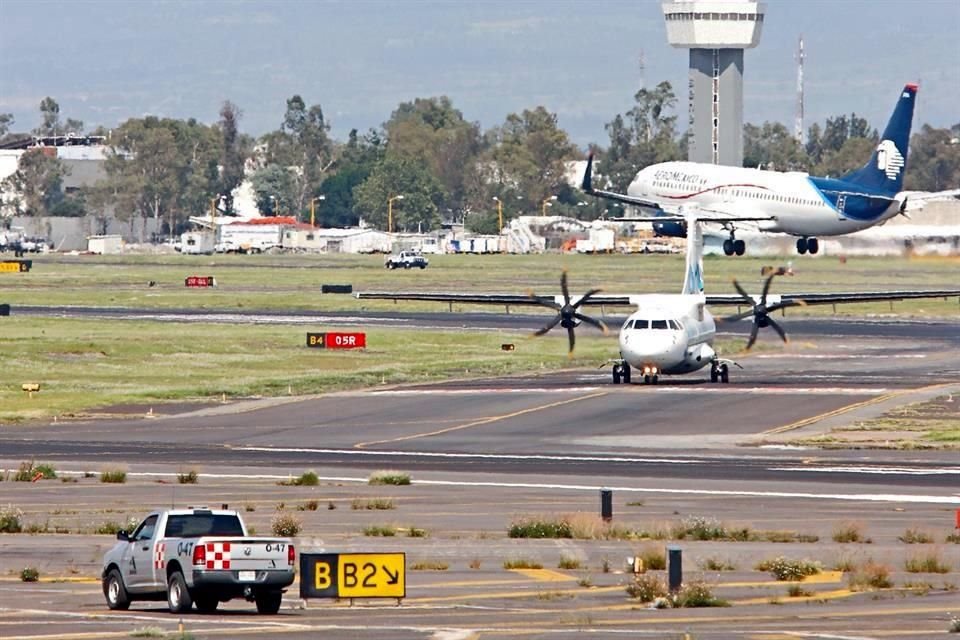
{"type": "Point", "coordinates": [889, 159]}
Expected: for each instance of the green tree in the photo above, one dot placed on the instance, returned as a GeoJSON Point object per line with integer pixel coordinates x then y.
{"type": "Point", "coordinates": [851, 155]}
{"type": "Point", "coordinates": [50, 114]}
{"type": "Point", "coordinates": [934, 160]}
{"type": "Point", "coordinates": [645, 135]}
{"type": "Point", "coordinates": [356, 162]}
{"type": "Point", "coordinates": [39, 182]}
{"type": "Point", "coordinates": [303, 145]}
{"type": "Point", "coordinates": [422, 195]}
{"type": "Point", "coordinates": [6, 121]}
{"type": "Point", "coordinates": [528, 155]}
{"type": "Point", "coordinates": [161, 168]}
{"type": "Point", "coordinates": [433, 132]}
{"type": "Point", "coordinates": [233, 154]}
{"type": "Point", "coordinates": [275, 190]}
{"type": "Point", "coordinates": [772, 146]}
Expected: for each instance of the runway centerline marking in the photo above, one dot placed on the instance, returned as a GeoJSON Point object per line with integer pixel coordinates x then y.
{"type": "Point", "coordinates": [480, 422]}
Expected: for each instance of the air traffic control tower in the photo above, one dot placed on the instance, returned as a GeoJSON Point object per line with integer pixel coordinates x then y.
{"type": "Point", "coordinates": [716, 32]}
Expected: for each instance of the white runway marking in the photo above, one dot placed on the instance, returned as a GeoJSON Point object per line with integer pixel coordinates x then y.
{"type": "Point", "coordinates": [726, 390]}
{"type": "Point", "coordinates": [468, 456]}
{"type": "Point", "coordinates": [902, 471]}
{"type": "Point", "coordinates": [839, 356]}
{"type": "Point", "coordinates": [847, 497]}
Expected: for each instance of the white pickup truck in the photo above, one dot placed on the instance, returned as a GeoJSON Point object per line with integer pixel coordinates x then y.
{"type": "Point", "coordinates": [197, 555]}
{"type": "Point", "coordinates": [406, 260]}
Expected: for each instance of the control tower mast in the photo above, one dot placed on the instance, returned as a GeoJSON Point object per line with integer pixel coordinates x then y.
{"type": "Point", "coordinates": [716, 32]}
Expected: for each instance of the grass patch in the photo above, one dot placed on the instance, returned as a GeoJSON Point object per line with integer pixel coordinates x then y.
{"type": "Point", "coordinates": [847, 532]}
{"type": "Point", "coordinates": [581, 526]}
{"type": "Point", "coordinates": [928, 561]}
{"type": "Point", "coordinates": [388, 477]}
{"type": "Point", "coordinates": [647, 587]}
{"type": "Point", "coordinates": [309, 505]}
{"type": "Point", "coordinates": [148, 632]}
{"type": "Point", "coordinates": [653, 558]}
{"type": "Point", "coordinates": [869, 576]}
{"type": "Point", "coordinates": [286, 525]}
{"type": "Point", "coordinates": [428, 565]}
{"type": "Point", "coordinates": [953, 538]}
{"type": "Point", "coordinates": [113, 476]}
{"type": "Point", "coordinates": [372, 504]}
{"type": "Point", "coordinates": [697, 594]}
{"type": "Point", "coordinates": [187, 477]}
{"type": "Point", "coordinates": [716, 564]}
{"type": "Point", "coordinates": [787, 569]}
{"type": "Point", "coordinates": [11, 519]}
{"type": "Point", "coordinates": [797, 591]}
{"type": "Point", "coordinates": [416, 532]}
{"type": "Point", "coordinates": [521, 563]}
{"type": "Point", "coordinates": [380, 531]}
{"type": "Point", "coordinates": [915, 536]}
{"type": "Point", "coordinates": [306, 479]}
{"type": "Point", "coordinates": [29, 574]}
{"type": "Point", "coordinates": [30, 472]}
{"type": "Point", "coordinates": [569, 563]}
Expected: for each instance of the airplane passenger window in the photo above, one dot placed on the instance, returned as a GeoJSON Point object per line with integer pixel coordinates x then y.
{"type": "Point", "coordinates": [658, 324]}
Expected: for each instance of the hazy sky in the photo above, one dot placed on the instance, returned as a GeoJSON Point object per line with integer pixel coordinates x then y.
{"type": "Point", "coordinates": [108, 60]}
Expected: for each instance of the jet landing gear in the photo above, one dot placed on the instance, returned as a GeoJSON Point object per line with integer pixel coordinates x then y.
{"type": "Point", "coordinates": [733, 246]}
{"type": "Point", "coordinates": [719, 372]}
{"type": "Point", "coordinates": [621, 373]}
{"type": "Point", "coordinates": [811, 245]}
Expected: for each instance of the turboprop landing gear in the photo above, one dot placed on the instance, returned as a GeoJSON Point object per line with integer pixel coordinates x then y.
{"type": "Point", "coordinates": [621, 373]}
{"type": "Point", "coordinates": [733, 246]}
{"type": "Point", "coordinates": [719, 372]}
{"type": "Point", "coordinates": [811, 245]}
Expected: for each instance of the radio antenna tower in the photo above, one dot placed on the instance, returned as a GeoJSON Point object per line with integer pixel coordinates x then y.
{"type": "Point", "coordinates": [798, 125]}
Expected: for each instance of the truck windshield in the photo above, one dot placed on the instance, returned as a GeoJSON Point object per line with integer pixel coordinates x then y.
{"type": "Point", "coordinates": [195, 525]}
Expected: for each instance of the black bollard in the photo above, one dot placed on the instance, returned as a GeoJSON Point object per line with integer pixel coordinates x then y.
{"type": "Point", "coordinates": [606, 504]}
{"type": "Point", "coordinates": [675, 568]}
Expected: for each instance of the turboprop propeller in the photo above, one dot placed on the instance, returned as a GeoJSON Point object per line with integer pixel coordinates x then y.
{"type": "Point", "coordinates": [760, 310]}
{"type": "Point", "coordinates": [568, 314]}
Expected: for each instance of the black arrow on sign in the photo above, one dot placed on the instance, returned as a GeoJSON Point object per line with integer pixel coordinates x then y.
{"type": "Point", "coordinates": [394, 577]}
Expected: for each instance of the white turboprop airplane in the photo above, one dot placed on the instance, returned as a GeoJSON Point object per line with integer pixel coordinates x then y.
{"type": "Point", "coordinates": [668, 334]}
{"type": "Point", "coordinates": [772, 201]}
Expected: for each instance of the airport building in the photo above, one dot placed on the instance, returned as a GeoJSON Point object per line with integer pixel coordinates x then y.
{"type": "Point", "coordinates": [716, 32]}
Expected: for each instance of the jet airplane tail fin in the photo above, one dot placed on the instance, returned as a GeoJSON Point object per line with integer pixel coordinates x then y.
{"type": "Point", "coordinates": [884, 171]}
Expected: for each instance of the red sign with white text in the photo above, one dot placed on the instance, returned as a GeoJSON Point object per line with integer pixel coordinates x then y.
{"type": "Point", "coordinates": [346, 341]}
{"type": "Point", "coordinates": [200, 281]}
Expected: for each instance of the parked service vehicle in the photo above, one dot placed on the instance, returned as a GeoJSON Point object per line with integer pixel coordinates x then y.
{"type": "Point", "coordinates": [407, 260]}
{"type": "Point", "coordinates": [197, 555]}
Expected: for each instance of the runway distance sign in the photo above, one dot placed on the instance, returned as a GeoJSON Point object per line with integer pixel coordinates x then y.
{"type": "Point", "coordinates": [200, 281]}
{"type": "Point", "coordinates": [16, 266]}
{"type": "Point", "coordinates": [332, 340]}
{"type": "Point", "coordinates": [353, 575]}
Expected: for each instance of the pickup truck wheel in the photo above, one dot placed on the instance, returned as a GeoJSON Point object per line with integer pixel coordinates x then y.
{"type": "Point", "coordinates": [269, 602]}
{"type": "Point", "coordinates": [407, 265]}
{"type": "Point", "coordinates": [423, 266]}
{"type": "Point", "coordinates": [116, 594]}
{"type": "Point", "coordinates": [178, 596]}
{"type": "Point", "coordinates": [206, 603]}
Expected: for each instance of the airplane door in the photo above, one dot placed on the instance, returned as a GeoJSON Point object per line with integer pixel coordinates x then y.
{"type": "Point", "coordinates": [841, 203]}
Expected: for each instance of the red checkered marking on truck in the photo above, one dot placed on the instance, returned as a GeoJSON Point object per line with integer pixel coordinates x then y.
{"type": "Point", "coordinates": [159, 550]}
{"type": "Point", "coordinates": [218, 555]}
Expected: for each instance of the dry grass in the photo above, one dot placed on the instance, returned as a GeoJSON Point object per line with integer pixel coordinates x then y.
{"type": "Point", "coordinates": [927, 561]}
{"type": "Point", "coordinates": [847, 532]}
{"type": "Point", "coordinates": [869, 576]}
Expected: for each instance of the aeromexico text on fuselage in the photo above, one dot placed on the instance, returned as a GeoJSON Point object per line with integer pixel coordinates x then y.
{"type": "Point", "coordinates": [799, 204]}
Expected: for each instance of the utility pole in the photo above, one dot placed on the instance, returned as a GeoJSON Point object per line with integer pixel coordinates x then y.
{"type": "Point", "coordinates": [798, 125]}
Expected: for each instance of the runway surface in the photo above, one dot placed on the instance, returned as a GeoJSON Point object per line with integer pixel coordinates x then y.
{"type": "Point", "coordinates": [572, 422]}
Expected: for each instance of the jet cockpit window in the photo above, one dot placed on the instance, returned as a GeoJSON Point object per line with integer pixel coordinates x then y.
{"type": "Point", "coordinates": [641, 324]}
{"type": "Point", "coordinates": [675, 325]}
{"type": "Point", "coordinates": [658, 324]}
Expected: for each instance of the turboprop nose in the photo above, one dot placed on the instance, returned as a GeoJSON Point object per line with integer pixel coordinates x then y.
{"type": "Point", "coordinates": [662, 348]}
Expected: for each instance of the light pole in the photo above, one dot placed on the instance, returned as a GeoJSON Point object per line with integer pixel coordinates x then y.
{"type": "Point", "coordinates": [390, 211]}
{"type": "Point", "coordinates": [547, 202]}
{"type": "Point", "coordinates": [499, 214]}
{"type": "Point", "coordinates": [213, 217]}
{"type": "Point", "coordinates": [273, 206]}
{"type": "Point", "coordinates": [313, 209]}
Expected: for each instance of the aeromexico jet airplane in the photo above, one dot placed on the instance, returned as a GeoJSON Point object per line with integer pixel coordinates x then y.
{"type": "Point", "coordinates": [793, 202]}
{"type": "Point", "coordinates": [667, 333]}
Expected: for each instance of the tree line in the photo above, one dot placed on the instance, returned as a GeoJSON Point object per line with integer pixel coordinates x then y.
{"type": "Point", "coordinates": [444, 166]}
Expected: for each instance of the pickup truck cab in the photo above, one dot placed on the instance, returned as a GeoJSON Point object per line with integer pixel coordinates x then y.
{"type": "Point", "coordinates": [197, 555]}
{"type": "Point", "coordinates": [407, 260]}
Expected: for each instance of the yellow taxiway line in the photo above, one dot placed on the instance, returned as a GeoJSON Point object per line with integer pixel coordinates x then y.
{"type": "Point", "coordinates": [480, 422]}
